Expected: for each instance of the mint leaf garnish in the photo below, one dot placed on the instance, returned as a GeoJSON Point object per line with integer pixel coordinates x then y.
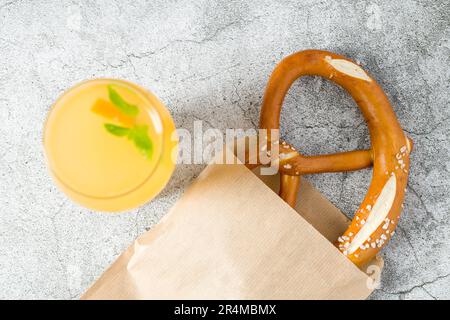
{"type": "Point", "coordinates": [138, 133]}
{"type": "Point", "coordinates": [141, 140]}
{"type": "Point", "coordinates": [117, 130]}
{"type": "Point", "coordinates": [128, 109]}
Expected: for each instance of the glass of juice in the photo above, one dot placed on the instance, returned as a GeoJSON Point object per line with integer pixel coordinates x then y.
{"type": "Point", "coordinates": [110, 144]}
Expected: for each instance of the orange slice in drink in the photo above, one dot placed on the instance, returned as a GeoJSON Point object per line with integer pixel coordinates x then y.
{"type": "Point", "coordinates": [108, 110]}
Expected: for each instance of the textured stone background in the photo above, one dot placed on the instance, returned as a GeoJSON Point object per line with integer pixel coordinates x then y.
{"type": "Point", "coordinates": [210, 60]}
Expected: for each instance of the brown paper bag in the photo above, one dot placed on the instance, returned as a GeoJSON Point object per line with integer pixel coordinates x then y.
{"type": "Point", "coordinates": [231, 237]}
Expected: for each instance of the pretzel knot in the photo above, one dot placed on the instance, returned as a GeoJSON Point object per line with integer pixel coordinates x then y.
{"type": "Point", "coordinates": [287, 156]}
{"type": "Point", "coordinates": [375, 220]}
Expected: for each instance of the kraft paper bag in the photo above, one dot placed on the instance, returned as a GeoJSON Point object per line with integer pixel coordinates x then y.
{"type": "Point", "coordinates": [231, 237]}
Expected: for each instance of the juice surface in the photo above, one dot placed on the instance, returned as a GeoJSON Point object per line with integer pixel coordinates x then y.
{"type": "Point", "coordinates": [91, 163]}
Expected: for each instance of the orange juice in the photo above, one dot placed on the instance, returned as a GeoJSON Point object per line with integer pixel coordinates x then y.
{"type": "Point", "coordinates": [110, 144]}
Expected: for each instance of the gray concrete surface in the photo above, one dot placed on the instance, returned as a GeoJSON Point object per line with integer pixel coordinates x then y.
{"type": "Point", "coordinates": [210, 60]}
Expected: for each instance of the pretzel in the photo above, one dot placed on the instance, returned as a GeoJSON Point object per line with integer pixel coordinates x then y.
{"type": "Point", "coordinates": [375, 220]}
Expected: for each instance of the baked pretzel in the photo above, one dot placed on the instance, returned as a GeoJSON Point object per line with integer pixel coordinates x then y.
{"type": "Point", "coordinates": [375, 220]}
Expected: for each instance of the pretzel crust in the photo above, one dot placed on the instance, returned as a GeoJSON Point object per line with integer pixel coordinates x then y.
{"type": "Point", "coordinates": [378, 215]}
